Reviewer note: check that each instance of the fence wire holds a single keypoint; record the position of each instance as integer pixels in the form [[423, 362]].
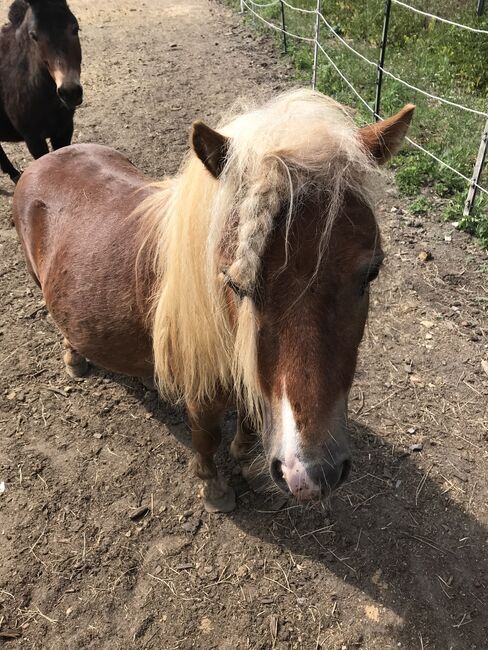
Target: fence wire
[[452, 23], [249, 4], [273, 26], [439, 19], [263, 5], [443, 100]]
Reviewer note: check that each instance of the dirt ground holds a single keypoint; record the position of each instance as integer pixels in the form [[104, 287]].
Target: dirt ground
[[401, 560]]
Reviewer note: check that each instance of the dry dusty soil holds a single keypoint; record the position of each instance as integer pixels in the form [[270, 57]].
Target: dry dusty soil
[[401, 559]]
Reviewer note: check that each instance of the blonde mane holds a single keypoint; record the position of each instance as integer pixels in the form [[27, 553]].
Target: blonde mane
[[298, 143]]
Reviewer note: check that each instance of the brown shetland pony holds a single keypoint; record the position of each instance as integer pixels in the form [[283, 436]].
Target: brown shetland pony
[[245, 277]]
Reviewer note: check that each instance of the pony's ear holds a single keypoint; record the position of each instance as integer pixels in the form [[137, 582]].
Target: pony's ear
[[210, 146], [385, 138]]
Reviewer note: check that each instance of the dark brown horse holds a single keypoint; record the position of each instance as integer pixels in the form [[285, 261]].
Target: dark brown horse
[[245, 277], [40, 63]]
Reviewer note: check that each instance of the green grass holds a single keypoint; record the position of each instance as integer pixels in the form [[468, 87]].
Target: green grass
[[438, 58]]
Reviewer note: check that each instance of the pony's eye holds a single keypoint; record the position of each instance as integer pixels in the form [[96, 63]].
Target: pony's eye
[[76, 30], [236, 288], [371, 275], [33, 35]]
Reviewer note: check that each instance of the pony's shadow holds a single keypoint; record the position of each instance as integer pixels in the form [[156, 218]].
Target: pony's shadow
[[7, 193], [397, 536], [167, 414], [394, 534]]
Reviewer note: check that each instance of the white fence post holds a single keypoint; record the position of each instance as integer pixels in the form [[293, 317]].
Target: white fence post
[[316, 47], [478, 168]]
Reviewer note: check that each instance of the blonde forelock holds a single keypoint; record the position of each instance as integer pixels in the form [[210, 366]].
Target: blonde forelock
[[298, 143]]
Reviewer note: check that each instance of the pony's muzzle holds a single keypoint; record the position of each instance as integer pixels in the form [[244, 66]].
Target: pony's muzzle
[[71, 94], [310, 481], [331, 475]]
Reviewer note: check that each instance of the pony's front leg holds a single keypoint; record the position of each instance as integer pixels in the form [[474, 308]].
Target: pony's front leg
[[37, 146], [206, 435], [244, 444], [63, 138], [7, 167]]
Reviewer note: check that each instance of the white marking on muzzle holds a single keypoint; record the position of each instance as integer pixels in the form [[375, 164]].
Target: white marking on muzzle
[[61, 77], [289, 429], [58, 76], [294, 471]]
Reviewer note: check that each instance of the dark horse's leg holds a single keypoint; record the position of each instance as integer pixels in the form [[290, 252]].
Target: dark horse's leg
[[205, 433], [37, 146], [7, 167], [62, 139]]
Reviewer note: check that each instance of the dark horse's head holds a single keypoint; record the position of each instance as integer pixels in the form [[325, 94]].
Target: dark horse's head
[[53, 31]]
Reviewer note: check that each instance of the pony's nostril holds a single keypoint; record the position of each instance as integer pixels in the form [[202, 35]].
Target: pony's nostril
[[71, 94], [345, 471], [329, 476], [277, 471]]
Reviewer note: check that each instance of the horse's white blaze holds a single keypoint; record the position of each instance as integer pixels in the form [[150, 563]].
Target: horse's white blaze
[[294, 471], [290, 444], [58, 76], [62, 76]]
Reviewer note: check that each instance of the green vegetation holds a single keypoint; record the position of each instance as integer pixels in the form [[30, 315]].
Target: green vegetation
[[420, 206], [441, 59]]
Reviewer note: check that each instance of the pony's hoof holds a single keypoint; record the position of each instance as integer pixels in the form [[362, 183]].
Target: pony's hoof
[[218, 497], [148, 382], [239, 452], [245, 460], [247, 472], [257, 482], [76, 370], [76, 365]]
